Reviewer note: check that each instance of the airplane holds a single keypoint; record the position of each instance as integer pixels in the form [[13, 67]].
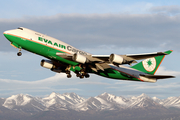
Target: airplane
[[64, 58]]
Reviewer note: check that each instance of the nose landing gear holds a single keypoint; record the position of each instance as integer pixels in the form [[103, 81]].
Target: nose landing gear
[[19, 53]]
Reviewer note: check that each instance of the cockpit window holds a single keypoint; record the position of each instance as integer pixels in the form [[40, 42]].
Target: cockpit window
[[20, 28]]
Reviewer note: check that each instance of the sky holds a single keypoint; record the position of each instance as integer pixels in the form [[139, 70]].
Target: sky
[[95, 26]]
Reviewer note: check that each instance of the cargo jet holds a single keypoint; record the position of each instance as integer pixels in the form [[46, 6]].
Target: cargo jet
[[64, 58]]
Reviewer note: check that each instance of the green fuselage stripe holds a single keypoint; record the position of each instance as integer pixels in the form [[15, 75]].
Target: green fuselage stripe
[[50, 53], [40, 49]]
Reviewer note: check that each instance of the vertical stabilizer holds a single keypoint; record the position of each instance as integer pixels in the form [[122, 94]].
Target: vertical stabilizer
[[150, 65]]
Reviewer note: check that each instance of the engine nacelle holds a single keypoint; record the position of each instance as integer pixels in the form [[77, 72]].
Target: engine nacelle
[[79, 58], [47, 64], [116, 59]]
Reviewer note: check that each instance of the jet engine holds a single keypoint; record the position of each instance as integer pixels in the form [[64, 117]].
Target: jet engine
[[116, 59], [49, 65], [79, 58]]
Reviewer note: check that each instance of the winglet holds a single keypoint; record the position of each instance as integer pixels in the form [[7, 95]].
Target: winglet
[[168, 52]]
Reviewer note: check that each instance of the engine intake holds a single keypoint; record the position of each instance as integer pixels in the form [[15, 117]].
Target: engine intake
[[116, 59], [47, 64], [79, 58]]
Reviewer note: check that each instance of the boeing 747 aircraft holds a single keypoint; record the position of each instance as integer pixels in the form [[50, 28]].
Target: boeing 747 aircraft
[[64, 58]]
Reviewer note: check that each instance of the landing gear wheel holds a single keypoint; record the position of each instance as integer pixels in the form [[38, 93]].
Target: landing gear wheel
[[19, 54], [82, 76], [87, 76], [78, 75], [69, 76]]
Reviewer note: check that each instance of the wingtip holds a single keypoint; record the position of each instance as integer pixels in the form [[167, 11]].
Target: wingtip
[[173, 76], [168, 52]]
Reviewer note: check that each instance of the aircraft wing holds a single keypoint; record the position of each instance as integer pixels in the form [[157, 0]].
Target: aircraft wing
[[101, 62], [145, 55], [70, 56], [131, 57], [113, 58], [98, 63]]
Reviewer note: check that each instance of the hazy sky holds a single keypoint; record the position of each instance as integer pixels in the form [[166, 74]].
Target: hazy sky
[[97, 27]]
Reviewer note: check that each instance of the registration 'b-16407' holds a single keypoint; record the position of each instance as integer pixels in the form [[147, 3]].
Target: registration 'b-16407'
[[64, 58]]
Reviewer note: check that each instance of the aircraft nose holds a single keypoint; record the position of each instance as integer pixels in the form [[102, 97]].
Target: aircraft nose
[[6, 34]]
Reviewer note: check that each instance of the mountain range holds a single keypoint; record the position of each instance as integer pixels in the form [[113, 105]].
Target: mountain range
[[72, 101], [101, 104]]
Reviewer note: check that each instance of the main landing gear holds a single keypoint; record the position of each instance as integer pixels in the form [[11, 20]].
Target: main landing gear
[[68, 72], [19, 53], [84, 74], [80, 74]]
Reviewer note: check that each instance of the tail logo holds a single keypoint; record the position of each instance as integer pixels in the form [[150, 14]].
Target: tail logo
[[149, 64]]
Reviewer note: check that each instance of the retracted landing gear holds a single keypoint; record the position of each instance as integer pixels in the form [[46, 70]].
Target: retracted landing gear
[[19, 53]]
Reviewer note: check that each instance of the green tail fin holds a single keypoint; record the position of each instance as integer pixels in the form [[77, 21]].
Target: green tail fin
[[150, 65]]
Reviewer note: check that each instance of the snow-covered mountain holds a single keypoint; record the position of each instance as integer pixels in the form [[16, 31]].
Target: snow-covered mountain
[[104, 101], [25, 103], [169, 102], [71, 101], [64, 101], [142, 101]]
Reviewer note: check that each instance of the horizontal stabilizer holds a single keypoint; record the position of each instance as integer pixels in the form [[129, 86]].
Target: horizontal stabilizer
[[158, 76]]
